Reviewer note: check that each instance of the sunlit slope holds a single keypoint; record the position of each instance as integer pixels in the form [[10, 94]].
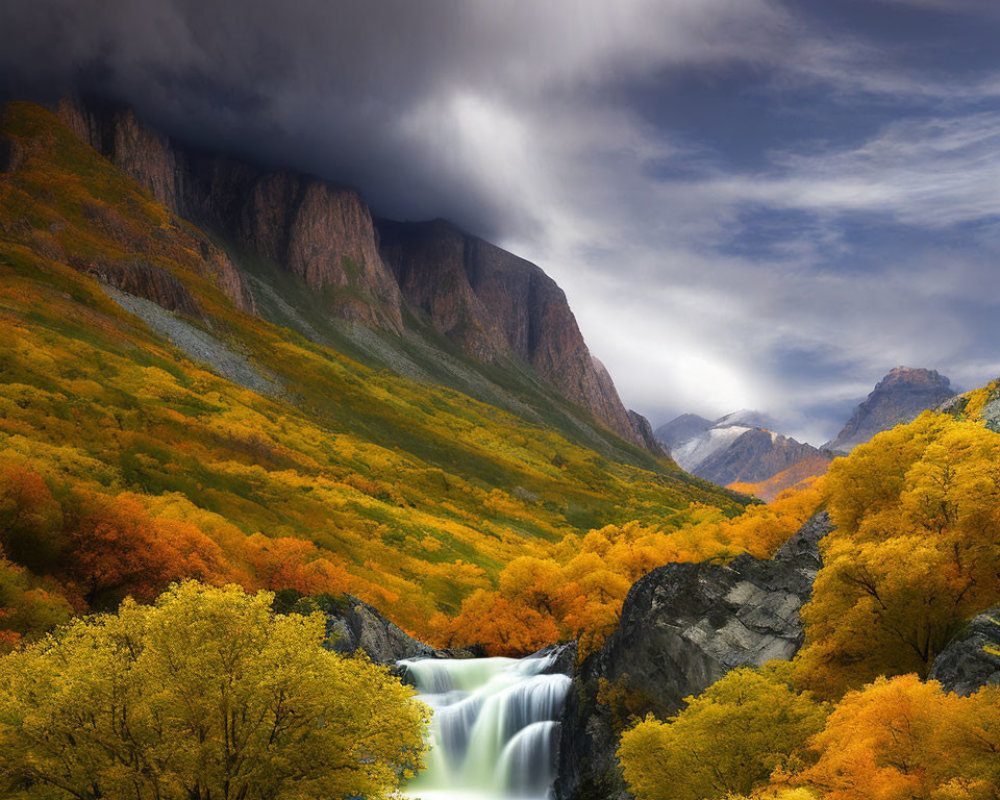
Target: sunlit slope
[[416, 494]]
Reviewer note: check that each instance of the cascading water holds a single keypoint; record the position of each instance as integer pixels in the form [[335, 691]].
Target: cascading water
[[494, 728]]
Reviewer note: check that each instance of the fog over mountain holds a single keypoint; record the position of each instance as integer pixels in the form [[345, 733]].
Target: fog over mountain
[[749, 203]]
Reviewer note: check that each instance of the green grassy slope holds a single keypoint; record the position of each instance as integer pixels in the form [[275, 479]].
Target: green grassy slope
[[418, 493]]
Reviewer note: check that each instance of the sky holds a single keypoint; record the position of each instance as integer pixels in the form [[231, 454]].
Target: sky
[[757, 204]]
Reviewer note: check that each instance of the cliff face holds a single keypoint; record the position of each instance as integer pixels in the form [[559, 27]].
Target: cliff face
[[493, 305], [898, 398], [682, 627], [970, 660], [642, 427], [320, 233], [148, 158]]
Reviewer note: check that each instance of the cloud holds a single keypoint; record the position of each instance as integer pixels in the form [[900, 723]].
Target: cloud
[[800, 327]]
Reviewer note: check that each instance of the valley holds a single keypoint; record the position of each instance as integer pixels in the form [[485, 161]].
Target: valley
[[379, 454]]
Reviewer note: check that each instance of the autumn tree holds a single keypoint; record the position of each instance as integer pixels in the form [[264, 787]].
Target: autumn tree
[[30, 518], [116, 547], [504, 627], [726, 741], [915, 553], [27, 607], [207, 694], [903, 739]]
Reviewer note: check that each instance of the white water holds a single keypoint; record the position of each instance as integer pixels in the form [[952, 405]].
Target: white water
[[494, 729]]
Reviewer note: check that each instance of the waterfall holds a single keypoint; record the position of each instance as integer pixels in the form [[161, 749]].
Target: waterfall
[[494, 730]]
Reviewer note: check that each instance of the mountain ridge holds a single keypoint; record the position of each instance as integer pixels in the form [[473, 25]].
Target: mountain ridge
[[324, 235], [739, 450]]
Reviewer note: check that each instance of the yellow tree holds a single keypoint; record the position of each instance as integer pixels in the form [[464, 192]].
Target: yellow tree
[[726, 741], [207, 694], [915, 553], [902, 739]]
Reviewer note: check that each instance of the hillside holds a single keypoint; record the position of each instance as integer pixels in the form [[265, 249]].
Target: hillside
[[425, 299], [146, 394]]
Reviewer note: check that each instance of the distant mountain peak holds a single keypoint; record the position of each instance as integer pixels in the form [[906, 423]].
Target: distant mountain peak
[[747, 418], [899, 397], [739, 447]]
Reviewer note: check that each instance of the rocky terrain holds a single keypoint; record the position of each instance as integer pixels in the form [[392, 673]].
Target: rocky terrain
[[355, 625], [899, 397], [496, 307], [494, 304], [682, 627], [972, 658]]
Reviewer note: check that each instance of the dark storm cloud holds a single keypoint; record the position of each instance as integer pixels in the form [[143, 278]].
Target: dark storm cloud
[[391, 95], [750, 203]]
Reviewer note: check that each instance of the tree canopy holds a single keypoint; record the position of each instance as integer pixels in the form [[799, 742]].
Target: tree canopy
[[206, 694], [727, 740]]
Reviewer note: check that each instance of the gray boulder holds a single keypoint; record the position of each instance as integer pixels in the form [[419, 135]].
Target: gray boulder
[[683, 626], [357, 625], [966, 665], [563, 658]]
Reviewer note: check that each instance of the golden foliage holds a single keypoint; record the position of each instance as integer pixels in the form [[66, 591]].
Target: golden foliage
[[206, 694], [726, 741], [915, 552]]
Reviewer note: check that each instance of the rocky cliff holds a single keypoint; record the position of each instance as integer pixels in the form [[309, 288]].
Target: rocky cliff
[[492, 304], [355, 625], [321, 233], [495, 305], [682, 627], [898, 398], [645, 431]]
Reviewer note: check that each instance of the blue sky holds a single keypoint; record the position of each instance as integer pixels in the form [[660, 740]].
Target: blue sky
[[750, 203]]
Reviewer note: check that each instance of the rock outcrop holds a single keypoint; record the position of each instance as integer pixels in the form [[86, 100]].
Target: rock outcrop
[[563, 658], [359, 626], [142, 279], [971, 659], [898, 398], [495, 305], [150, 159], [321, 233], [644, 431], [989, 413], [682, 627]]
